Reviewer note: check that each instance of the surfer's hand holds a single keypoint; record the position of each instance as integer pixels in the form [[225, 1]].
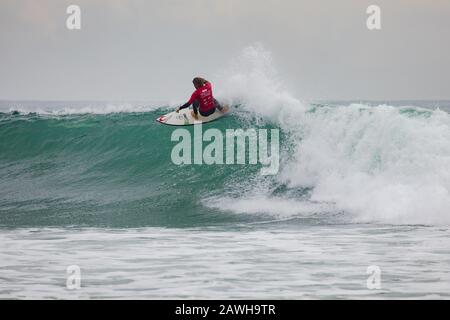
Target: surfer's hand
[[178, 110]]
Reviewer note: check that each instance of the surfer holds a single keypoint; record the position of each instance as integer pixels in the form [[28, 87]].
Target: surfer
[[202, 99]]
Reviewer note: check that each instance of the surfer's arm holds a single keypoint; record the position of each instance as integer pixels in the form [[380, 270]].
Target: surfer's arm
[[187, 104]]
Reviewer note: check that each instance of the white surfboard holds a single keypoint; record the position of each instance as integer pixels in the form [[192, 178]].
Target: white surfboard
[[184, 117]]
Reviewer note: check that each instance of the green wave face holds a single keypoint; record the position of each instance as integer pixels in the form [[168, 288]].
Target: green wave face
[[343, 163], [106, 170]]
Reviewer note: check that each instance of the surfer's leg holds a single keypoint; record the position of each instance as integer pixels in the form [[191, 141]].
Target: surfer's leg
[[218, 105], [221, 108], [207, 113], [195, 106]]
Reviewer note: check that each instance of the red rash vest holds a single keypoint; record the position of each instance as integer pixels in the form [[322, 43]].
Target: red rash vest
[[204, 96]]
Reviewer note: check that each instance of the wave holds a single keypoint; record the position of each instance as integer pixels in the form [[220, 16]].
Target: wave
[[109, 164], [102, 170]]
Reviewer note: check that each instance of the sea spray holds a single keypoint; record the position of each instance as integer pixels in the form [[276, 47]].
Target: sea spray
[[376, 163]]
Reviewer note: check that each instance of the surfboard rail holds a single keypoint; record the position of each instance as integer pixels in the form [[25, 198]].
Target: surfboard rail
[[185, 118]]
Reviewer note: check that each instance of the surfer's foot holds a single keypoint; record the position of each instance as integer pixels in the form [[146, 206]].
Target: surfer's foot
[[194, 115]]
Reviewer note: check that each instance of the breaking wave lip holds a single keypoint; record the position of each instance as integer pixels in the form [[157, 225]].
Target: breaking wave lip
[[383, 164], [79, 107]]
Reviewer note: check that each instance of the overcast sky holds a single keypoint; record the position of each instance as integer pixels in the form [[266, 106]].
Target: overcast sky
[[150, 50]]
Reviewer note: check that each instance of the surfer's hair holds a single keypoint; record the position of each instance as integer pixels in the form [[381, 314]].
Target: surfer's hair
[[198, 82]]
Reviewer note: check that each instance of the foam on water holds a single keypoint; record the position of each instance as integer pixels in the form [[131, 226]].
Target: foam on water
[[163, 263], [60, 108], [379, 163], [282, 207]]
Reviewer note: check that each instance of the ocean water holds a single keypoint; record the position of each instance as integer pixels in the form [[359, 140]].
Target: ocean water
[[362, 186]]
